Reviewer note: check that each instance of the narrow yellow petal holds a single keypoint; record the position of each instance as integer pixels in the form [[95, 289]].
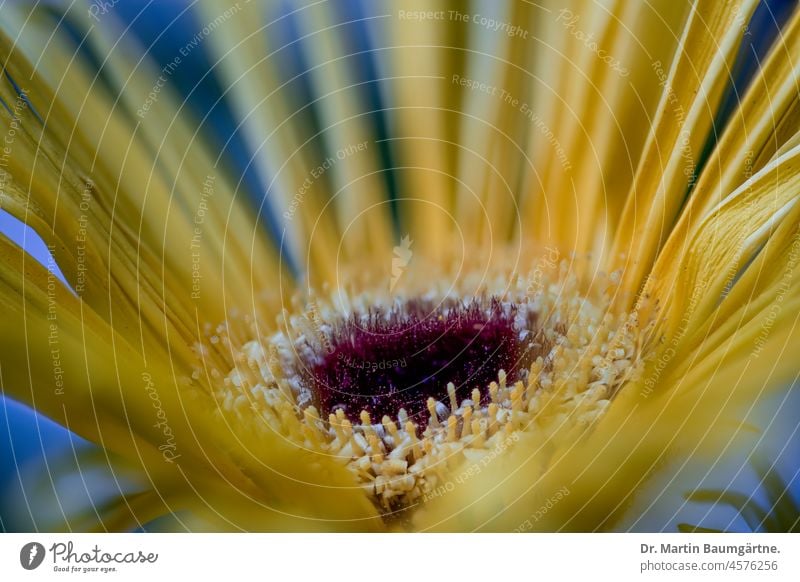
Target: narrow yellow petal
[[277, 130], [418, 58], [693, 88], [71, 367], [358, 190]]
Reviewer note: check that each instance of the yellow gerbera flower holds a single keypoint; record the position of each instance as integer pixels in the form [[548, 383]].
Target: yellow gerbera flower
[[544, 280]]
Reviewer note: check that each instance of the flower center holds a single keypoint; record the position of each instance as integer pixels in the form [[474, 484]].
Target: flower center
[[403, 396], [386, 360]]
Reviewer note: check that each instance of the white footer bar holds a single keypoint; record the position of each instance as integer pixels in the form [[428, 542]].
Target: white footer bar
[[384, 558]]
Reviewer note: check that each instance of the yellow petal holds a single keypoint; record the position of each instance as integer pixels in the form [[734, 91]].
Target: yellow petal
[[279, 134], [64, 361], [691, 285], [693, 88]]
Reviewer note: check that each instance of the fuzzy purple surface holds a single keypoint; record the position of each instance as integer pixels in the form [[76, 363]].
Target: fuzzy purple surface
[[395, 359]]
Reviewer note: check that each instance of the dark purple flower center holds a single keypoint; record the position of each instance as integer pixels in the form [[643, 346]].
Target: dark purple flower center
[[386, 360]]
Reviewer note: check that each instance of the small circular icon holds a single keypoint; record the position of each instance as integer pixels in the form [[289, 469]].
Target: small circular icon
[[31, 555]]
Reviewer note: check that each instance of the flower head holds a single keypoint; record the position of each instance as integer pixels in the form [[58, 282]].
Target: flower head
[[596, 276]]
